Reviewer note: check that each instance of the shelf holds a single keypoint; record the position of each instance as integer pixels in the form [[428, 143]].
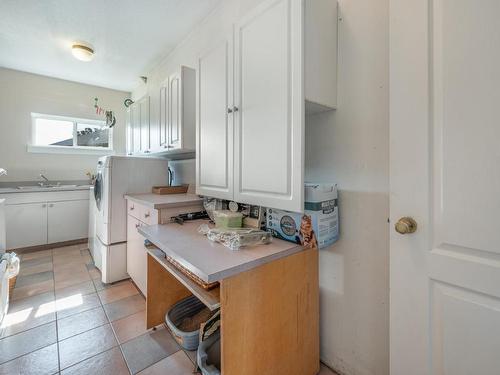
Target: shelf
[[211, 298]]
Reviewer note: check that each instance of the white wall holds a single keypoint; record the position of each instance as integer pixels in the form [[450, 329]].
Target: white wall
[[348, 146], [351, 146], [23, 93]]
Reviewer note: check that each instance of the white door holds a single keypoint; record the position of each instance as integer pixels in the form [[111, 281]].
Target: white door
[[175, 115], [136, 254], [445, 173], [269, 96], [68, 220], [214, 128], [26, 225]]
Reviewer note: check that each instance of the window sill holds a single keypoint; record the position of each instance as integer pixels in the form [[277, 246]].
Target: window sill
[[69, 150]]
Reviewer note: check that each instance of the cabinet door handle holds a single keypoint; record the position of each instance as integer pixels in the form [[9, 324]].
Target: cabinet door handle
[[44, 205], [146, 215], [137, 225], [235, 109], [51, 205], [229, 110], [132, 208]]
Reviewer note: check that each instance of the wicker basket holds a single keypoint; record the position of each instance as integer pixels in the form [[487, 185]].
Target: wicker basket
[[12, 284]]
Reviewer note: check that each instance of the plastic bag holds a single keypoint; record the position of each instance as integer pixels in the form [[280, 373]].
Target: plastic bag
[[12, 264], [238, 238]]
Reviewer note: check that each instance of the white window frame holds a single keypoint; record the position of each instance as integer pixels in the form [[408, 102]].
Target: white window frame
[[75, 149]]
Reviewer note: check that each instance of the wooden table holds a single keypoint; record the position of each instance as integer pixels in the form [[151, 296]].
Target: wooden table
[[268, 296]]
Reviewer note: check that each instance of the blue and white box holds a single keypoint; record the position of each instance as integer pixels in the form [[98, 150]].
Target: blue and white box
[[317, 226]]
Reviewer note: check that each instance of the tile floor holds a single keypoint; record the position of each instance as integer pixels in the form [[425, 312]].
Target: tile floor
[[63, 320]]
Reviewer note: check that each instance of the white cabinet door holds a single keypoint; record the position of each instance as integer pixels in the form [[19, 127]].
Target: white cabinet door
[[164, 115], [269, 96], [154, 120], [136, 254], [135, 124], [144, 124], [175, 112], [68, 220], [214, 129], [26, 225]]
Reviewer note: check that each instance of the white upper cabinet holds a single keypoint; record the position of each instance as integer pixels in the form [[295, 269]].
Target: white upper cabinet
[[269, 131], [144, 124], [320, 55], [166, 117], [214, 131]]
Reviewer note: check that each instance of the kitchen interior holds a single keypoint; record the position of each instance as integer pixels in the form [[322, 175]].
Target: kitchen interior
[[182, 186]]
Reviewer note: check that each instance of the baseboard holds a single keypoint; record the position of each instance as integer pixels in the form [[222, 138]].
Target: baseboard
[[31, 249]]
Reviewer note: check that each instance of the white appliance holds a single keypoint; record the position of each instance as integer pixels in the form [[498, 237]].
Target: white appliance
[[117, 176], [4, 281], [92, 223]]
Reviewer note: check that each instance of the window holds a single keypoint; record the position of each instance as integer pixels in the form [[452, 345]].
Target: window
[[70, 135]]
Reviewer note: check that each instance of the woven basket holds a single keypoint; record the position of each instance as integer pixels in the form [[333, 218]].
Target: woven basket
[[12, 284]]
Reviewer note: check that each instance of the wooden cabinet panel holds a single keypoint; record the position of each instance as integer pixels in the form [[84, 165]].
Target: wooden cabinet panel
[[67, 220], [214, 133], [26, 225]]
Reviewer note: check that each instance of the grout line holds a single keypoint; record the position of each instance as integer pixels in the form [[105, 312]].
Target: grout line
[[86, 359], [55, 312]]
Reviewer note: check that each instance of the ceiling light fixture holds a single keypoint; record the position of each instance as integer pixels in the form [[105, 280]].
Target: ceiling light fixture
[[82, 51]]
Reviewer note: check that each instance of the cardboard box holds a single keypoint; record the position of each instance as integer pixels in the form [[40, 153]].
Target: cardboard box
[[318, 225]]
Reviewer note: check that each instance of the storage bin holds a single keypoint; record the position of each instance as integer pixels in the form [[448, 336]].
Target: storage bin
[[184, 319], [208, 355]]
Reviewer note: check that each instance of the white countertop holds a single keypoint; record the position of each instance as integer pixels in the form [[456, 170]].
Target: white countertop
[[209, 260], [157, 201], [39, 189]]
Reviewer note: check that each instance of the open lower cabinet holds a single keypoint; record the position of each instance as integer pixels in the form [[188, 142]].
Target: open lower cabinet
[[269, 318]]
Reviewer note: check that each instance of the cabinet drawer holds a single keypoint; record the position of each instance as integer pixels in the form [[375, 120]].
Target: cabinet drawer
[[145, 214]]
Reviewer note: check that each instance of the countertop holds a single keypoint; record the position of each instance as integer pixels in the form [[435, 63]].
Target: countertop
[[39, 189], [157, 201], [209, 260]]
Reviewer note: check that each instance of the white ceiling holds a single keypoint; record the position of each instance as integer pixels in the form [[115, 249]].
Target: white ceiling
[[128, 36]]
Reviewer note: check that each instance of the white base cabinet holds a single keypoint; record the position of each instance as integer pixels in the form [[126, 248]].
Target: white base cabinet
[[136, 254], [67, 221], [26, 225], [34, 219]]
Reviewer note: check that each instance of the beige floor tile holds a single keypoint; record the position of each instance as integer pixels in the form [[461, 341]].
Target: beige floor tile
[[28, 313], [87, 287], [86, 345], [110, 362], [147, 349], [326, 371], [125, 307], [32, 290], [24, 271], [81, 322], [69, 280], [33, 279], [95, 273], [74, 304], [130, 326], [66, 269], [36, 261], [177, 363], [65, 250], [41, 362], [36, 255], [26, 342], [72, 259], [117, 292]]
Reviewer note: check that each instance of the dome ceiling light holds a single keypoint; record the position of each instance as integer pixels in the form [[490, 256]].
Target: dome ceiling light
[[82, 51]]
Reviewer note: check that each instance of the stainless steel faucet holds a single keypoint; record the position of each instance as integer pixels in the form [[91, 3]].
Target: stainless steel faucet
[[45, 178]]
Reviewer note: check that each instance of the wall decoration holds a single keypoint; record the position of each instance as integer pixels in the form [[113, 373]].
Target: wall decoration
[[110, 117]]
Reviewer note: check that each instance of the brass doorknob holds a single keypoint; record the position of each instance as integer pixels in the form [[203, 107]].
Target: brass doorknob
[[406, 225]]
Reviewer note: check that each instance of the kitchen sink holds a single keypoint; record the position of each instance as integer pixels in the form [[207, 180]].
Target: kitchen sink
[[48, 186]]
